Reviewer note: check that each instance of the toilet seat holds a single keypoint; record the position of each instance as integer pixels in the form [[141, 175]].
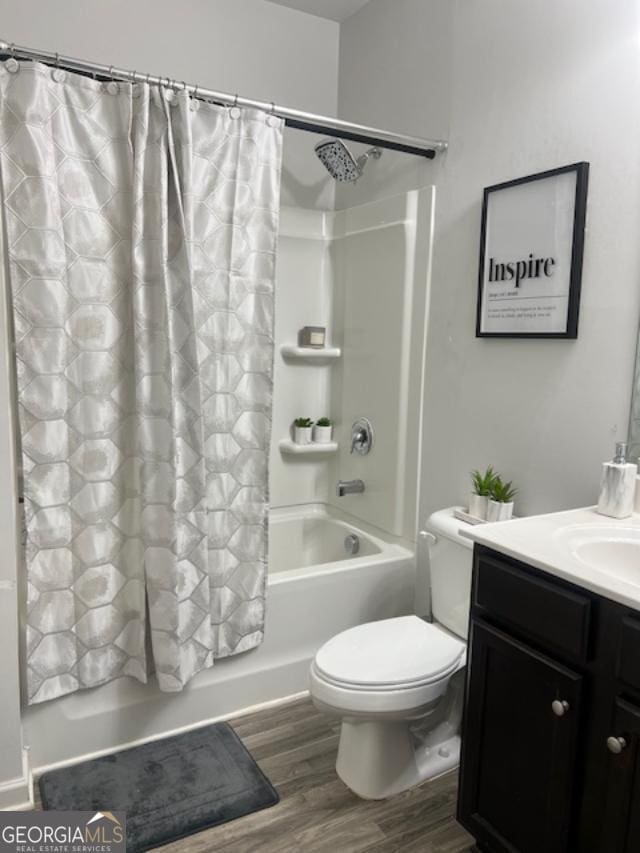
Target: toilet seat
[[394, 666], [390, 654]]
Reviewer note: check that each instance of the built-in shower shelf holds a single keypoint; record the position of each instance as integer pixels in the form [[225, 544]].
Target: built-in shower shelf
[[309, 353], [314, 449]]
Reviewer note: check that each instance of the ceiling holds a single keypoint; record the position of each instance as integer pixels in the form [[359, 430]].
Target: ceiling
[[334, 10]]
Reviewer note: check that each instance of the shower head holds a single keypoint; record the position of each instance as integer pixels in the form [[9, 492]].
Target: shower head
[[340, 162]]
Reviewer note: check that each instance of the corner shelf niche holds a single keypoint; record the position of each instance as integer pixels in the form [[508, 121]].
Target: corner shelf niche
[[290, 447], [319, 354]]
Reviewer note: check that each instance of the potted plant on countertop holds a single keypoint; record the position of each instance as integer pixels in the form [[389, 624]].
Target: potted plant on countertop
[[479, 498], [500, 506], [322, 431], [302, 430]]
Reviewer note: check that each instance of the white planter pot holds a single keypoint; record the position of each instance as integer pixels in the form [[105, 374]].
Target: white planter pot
[[478, 505], [302, 435], [322, 434], [497, 511]]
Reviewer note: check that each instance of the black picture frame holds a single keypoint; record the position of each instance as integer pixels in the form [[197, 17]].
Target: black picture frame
[[577, 252]]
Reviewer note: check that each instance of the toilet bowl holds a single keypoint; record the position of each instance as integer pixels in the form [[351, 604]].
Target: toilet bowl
[[397, 684]]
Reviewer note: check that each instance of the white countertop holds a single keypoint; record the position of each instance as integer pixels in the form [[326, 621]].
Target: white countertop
[[540, 541]]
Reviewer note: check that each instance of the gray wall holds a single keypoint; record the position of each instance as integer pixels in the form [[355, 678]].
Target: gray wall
[[395, 73], [532, 86]]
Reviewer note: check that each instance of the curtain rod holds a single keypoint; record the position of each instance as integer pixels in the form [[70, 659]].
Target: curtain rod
[[293, 118]]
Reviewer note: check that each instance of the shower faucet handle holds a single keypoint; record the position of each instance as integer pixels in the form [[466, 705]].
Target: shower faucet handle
[[361, 436], [358, 439]]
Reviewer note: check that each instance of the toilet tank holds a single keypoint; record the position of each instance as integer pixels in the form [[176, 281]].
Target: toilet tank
[[450, 563]]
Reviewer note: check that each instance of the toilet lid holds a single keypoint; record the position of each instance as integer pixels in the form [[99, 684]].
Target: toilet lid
[[403, 651]]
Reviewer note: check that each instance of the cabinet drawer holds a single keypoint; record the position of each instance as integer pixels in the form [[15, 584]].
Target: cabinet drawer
[[556, 617], [629, 652]]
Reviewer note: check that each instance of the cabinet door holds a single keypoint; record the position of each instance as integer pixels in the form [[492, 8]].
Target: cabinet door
[[519, 746], [621, 824]]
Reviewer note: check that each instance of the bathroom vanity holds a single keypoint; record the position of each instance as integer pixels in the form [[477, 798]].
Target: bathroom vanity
[[550, 755]]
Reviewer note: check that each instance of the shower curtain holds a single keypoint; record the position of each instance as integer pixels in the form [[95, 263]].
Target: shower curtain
[[141, 230]]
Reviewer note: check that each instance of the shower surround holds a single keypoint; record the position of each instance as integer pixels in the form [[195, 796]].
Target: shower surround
[[141, 230]]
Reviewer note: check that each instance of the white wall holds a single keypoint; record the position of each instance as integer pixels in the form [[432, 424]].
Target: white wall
[[255, 48], [533, 85]]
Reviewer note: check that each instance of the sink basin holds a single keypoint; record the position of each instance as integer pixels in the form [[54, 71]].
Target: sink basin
[[610, 548]]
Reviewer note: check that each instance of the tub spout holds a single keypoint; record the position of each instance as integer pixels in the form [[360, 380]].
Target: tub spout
[[349, 487]]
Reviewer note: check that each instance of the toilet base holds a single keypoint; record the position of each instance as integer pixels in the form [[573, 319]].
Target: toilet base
[[377, 760]]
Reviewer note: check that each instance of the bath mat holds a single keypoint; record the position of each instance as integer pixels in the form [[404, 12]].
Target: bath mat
[[169, 788]]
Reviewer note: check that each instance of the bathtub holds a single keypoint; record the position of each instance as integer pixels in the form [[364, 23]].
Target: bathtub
[[315, 588], [308, 543]]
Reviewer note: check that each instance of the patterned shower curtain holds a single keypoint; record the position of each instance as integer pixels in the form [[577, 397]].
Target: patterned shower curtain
[[141, 230]]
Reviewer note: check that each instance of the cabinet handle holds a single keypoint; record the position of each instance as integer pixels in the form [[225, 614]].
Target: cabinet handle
[[559, 707], [616, 744]]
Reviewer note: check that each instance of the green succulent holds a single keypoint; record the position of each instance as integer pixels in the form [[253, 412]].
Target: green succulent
[[483, 483], [303, 422], [502, 492], [323, 422]]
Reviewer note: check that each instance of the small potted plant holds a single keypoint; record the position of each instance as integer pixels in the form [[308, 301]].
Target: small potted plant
[[479, 497], [302, 430], [501, 501], [322, 431]]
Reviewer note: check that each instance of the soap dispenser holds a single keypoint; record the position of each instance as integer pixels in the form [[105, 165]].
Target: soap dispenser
[[618, 485]]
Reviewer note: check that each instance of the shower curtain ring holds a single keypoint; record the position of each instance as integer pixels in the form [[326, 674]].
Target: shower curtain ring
[[12, 65]]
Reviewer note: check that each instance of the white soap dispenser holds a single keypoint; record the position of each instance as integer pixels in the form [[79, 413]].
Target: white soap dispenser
[[618, 485]]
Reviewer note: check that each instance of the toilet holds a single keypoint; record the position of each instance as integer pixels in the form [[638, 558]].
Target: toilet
[[398, 683]]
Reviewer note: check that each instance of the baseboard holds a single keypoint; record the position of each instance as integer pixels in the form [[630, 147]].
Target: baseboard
[[17, 794], [243, 712]]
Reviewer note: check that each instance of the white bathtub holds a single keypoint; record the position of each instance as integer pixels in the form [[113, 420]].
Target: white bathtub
[[315, 589], [305, 543]]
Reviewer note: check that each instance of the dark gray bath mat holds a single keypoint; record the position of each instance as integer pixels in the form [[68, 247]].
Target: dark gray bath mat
[[169, 788]]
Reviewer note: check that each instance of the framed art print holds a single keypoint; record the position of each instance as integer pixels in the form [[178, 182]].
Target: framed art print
[[531, 249]]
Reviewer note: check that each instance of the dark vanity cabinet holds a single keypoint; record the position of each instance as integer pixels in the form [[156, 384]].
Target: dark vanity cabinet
[[550, 749]]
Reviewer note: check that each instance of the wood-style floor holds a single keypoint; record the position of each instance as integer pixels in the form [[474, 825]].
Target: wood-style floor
[[296, 748]]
